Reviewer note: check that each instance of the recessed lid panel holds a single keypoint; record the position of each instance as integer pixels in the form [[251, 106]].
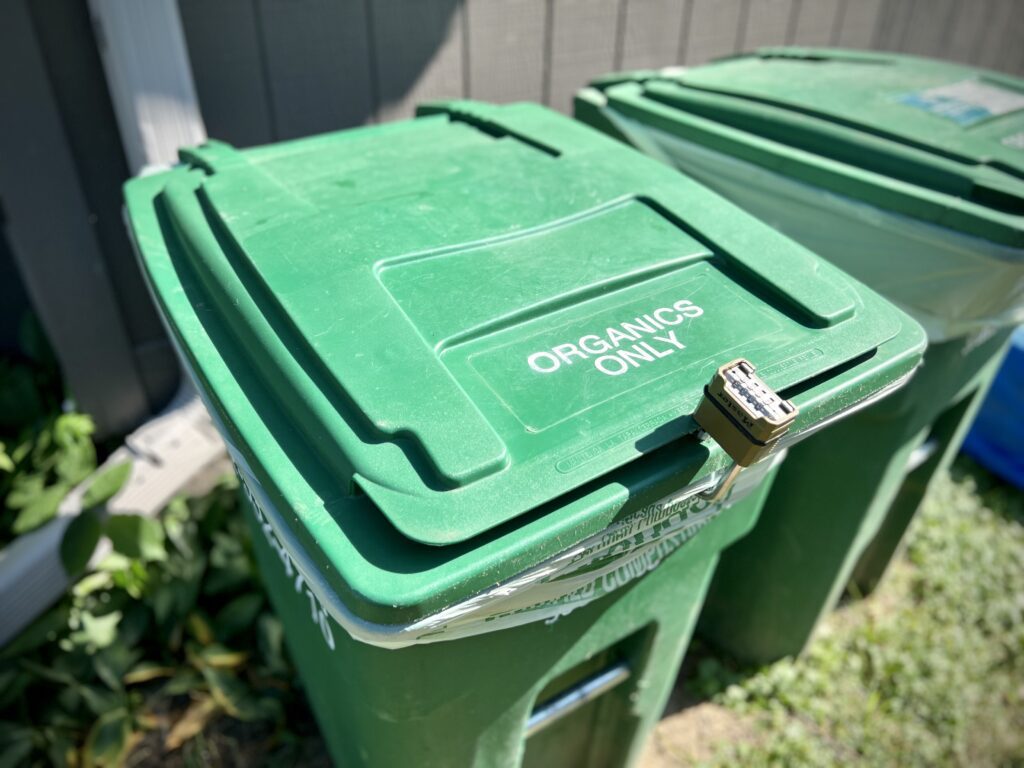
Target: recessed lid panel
[[470, 314]]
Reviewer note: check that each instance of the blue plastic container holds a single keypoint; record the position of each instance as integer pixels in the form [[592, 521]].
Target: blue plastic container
[[997, 437]]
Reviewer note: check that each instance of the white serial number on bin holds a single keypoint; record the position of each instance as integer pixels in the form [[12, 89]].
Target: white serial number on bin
[[317, 613]]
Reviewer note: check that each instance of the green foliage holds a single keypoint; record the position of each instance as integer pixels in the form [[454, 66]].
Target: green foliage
[[105, 484], [928, 672], [173, 614], [137, 538], [42, 456], [30, 383], [108, 738], [79, 542], [6, 462], [48, 460]]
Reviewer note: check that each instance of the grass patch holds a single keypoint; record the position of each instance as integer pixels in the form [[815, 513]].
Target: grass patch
[[929, 671]]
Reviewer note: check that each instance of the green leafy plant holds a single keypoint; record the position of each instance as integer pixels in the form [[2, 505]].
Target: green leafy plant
[[30, 384], [84, 531], [6, 462], [170, 633], [41, 469], [42, 455]]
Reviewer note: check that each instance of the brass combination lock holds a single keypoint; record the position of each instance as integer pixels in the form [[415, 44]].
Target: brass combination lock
[[743, 414]]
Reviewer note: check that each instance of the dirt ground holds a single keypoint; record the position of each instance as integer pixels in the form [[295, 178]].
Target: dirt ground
[[692, 734]]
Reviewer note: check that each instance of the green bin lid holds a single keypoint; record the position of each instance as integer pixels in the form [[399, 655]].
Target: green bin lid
[[470, 314], [937, 141]]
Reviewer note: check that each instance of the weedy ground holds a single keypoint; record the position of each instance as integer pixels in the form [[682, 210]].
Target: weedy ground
[[927, 671]]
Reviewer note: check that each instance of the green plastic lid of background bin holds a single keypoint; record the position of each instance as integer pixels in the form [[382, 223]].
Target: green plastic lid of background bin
[[472, 313], [936, 141]]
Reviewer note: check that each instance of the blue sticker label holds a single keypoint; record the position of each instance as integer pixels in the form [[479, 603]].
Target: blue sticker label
[[965, 103]]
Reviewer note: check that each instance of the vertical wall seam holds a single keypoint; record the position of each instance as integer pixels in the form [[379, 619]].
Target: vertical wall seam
[[620, 35], [372, 69], [549, 41], [1013, 25], [794, 12], [261, 49], [684, 31], [740, 43], [837, 22], [947, 32], [907, 24], [463, 9], [1019, 66], [979, 42], [880, 24], [886, 12]]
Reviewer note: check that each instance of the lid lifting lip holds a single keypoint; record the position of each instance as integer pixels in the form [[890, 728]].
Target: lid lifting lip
[[847, 141], [951, 157], [985, 204]]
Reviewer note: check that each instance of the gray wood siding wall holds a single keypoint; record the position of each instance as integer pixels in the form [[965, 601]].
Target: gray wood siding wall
[[61, 170], [274, 69]]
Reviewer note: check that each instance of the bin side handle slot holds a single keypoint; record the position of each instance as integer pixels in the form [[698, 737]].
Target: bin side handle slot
[[567, 702]]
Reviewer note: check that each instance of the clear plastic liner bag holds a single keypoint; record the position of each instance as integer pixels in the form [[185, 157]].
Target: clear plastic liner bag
[[955, 285], [597, 566]]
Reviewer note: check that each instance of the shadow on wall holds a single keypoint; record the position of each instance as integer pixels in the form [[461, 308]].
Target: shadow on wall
[[60, 183], [267, 70], [13, 301]]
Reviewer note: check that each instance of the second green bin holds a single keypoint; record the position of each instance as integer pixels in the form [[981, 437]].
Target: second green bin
[[909, 175]]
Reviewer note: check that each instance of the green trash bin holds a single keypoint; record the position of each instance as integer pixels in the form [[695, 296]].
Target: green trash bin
[[455, 360], [908, 174]]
